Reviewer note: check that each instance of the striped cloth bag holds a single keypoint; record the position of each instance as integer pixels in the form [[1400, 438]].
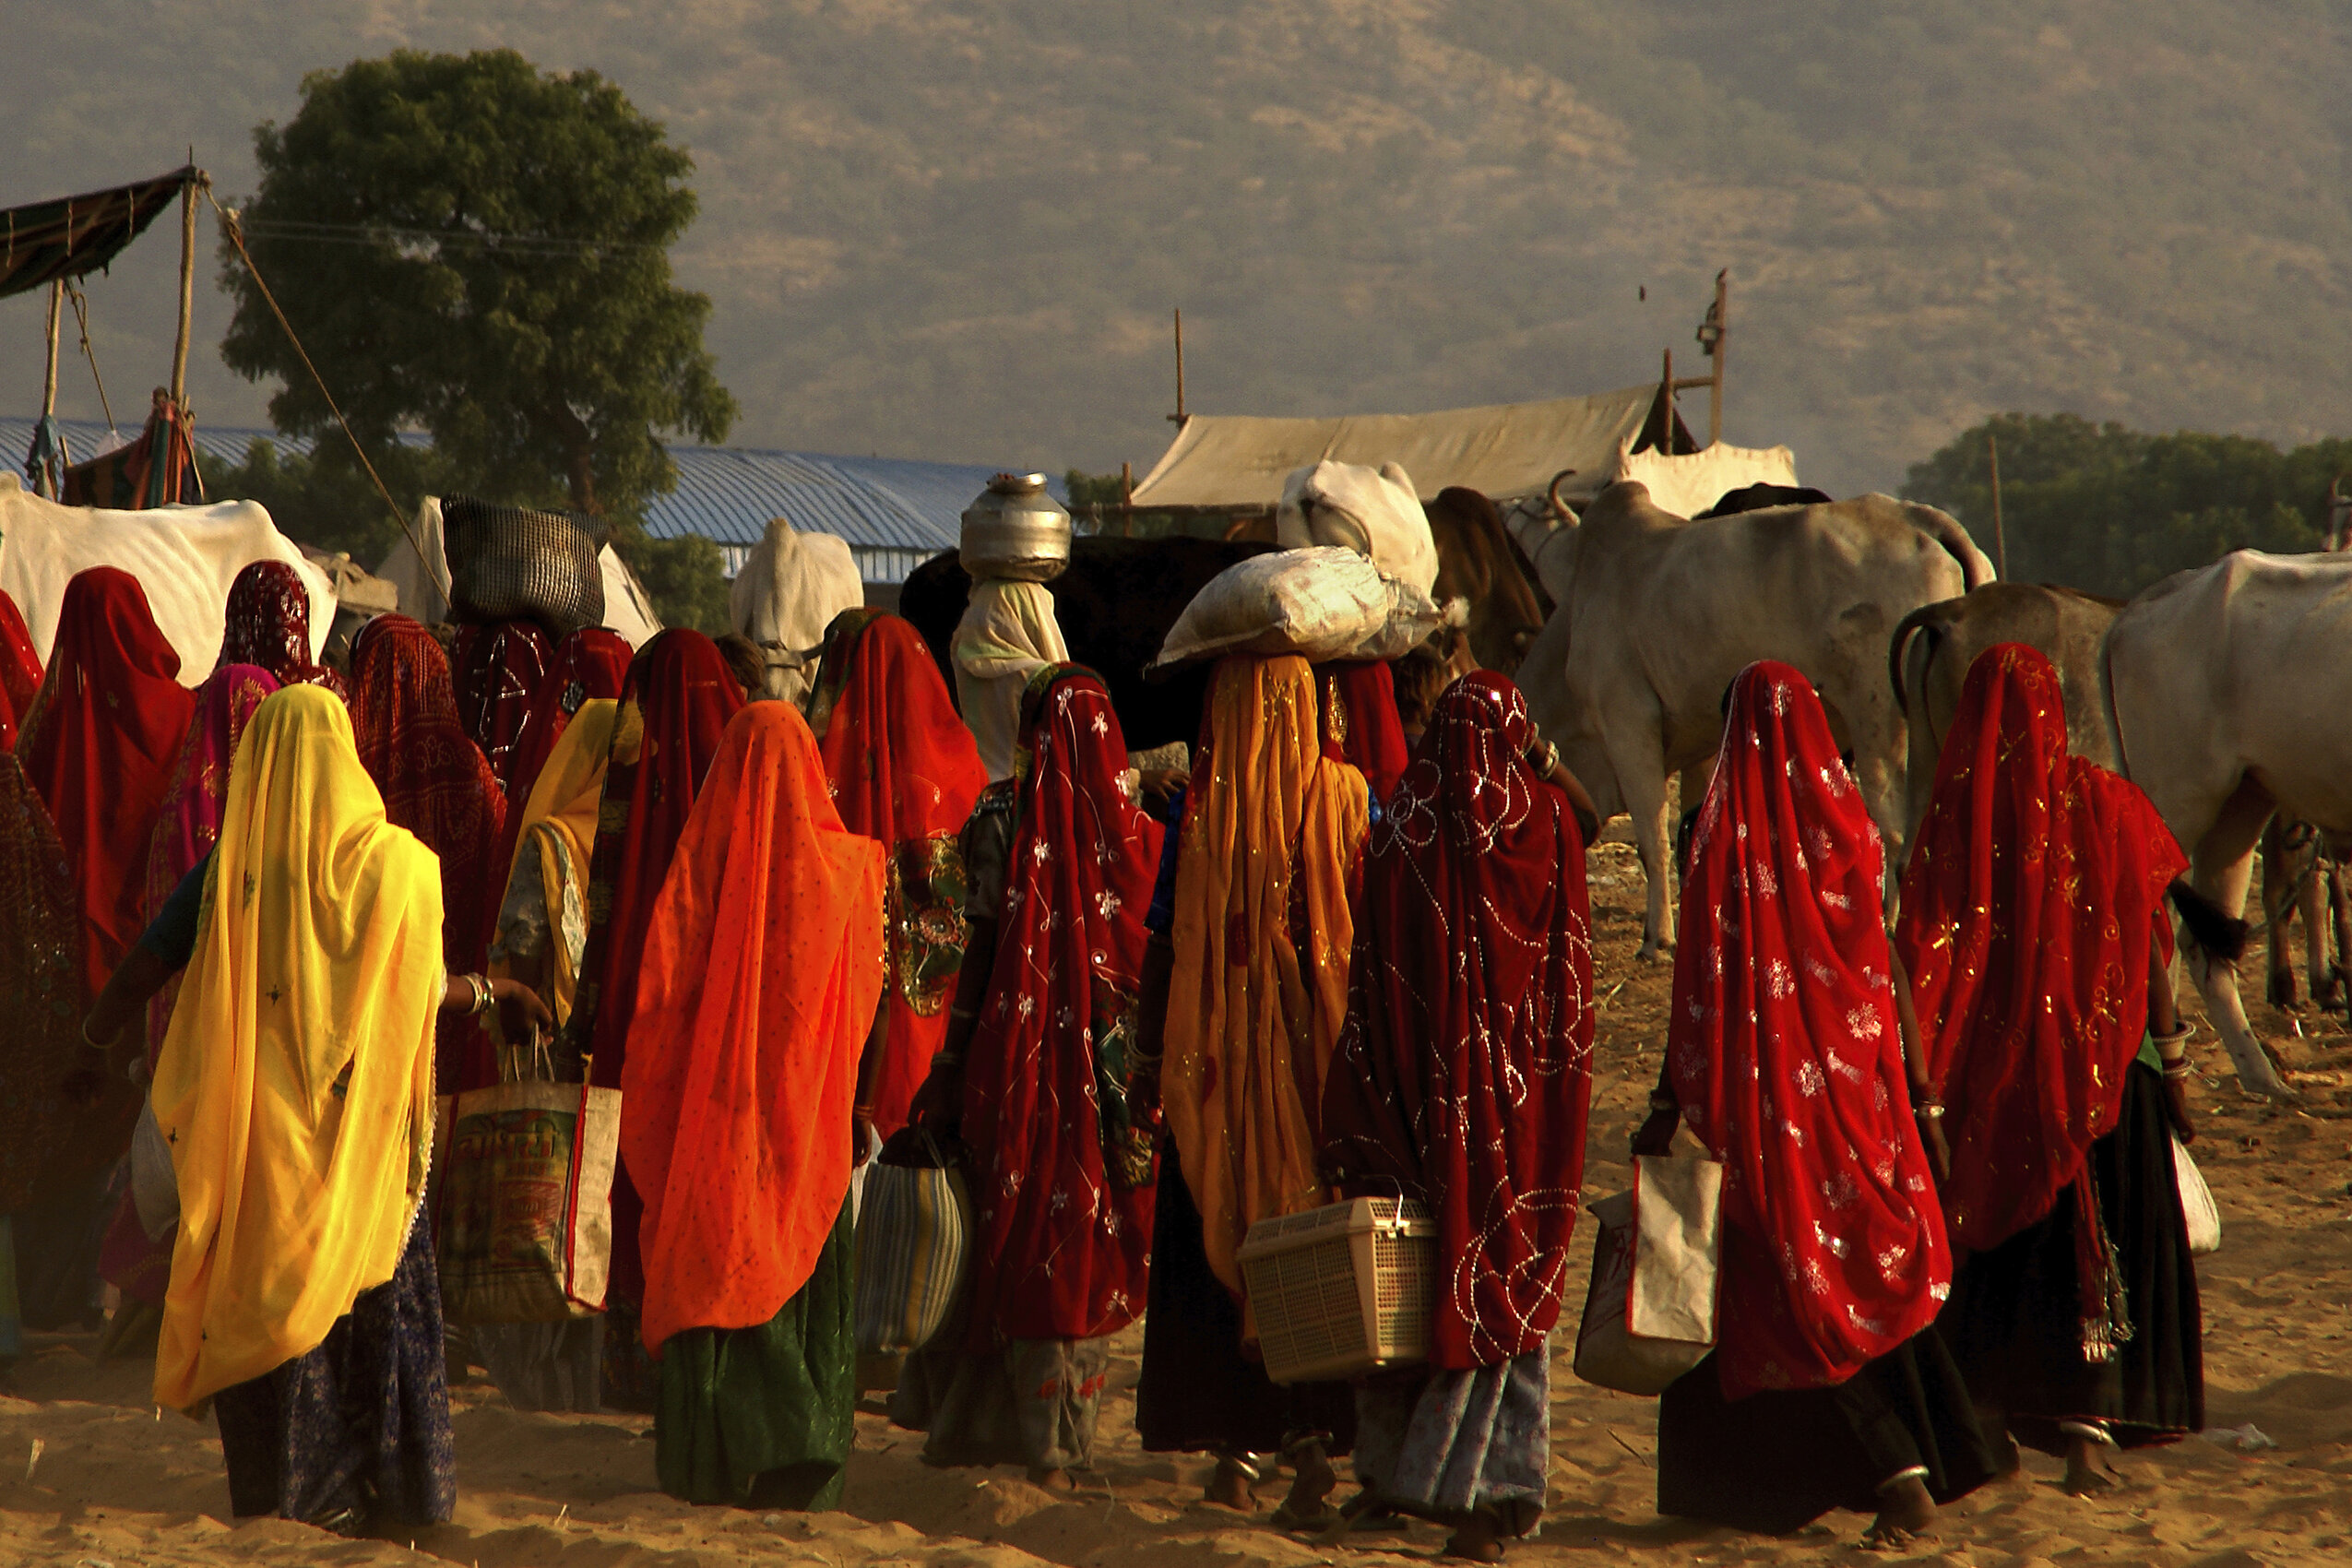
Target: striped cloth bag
[[914, 1233]]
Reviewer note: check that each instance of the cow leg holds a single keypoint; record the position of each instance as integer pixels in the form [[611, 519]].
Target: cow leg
[[2310, 898], [2339, 900], [2278, 872], [2222, 868], [1644, 779]]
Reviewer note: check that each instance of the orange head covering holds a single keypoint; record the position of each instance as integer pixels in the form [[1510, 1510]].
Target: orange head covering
[[1274, 833], [763, 965], [904, 770]]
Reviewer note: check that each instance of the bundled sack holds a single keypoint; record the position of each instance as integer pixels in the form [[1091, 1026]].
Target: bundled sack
[[1649, 1315], [515, 562], [1322, 603], [523, 1216], [914, 1239], [1373, 512]]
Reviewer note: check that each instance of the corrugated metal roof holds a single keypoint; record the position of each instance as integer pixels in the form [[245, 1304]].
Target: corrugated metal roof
[[885, 507]]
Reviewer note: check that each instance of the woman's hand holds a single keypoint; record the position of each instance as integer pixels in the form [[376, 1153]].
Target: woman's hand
[[1655, 1136], [521, 1012], [1939, 1152], [2175, 1107]]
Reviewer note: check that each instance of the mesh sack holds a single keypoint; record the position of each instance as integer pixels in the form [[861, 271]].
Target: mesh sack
[[515, 562]]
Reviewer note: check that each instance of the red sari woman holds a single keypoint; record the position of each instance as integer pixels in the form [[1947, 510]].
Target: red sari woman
[[435, 784], [588, 666], [100, 746], [1037, 1074], [19, 671], [674, 707], [498, 671], [1791, 1055], [2034, 930], [904, 769], [1462, 1081], [267, 625]]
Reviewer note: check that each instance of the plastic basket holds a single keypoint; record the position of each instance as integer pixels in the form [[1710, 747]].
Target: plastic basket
[[1342, 1290]]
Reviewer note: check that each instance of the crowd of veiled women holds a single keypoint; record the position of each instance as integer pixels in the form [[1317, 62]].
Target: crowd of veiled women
[[1342, 948]]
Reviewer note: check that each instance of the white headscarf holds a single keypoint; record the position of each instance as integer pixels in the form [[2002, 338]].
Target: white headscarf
[[1007, 633]]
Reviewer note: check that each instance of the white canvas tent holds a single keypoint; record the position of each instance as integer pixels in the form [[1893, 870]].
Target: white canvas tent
[[1506, 450]]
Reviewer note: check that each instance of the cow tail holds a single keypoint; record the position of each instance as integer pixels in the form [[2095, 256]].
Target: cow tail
[[1927, 618], [2220, 936], [1975, 571]]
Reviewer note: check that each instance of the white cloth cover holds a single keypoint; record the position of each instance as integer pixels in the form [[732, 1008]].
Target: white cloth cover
[[423, 581], [1322, 602], [1689, 483], [792, 587], [2197, 1208], [184, 557], [1008, 633], [1371, 511]]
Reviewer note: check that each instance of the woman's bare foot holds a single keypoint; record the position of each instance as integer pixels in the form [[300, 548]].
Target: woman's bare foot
[[1312, 1480], [1477, 1539], [1235, 1484], [1053, 1480], [2090, 1465], [1904, 1510]]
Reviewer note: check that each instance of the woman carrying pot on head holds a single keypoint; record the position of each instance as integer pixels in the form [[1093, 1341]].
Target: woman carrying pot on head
[[1792, 1057]]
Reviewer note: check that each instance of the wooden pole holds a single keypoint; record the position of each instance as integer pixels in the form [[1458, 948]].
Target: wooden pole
[[1665, 405], [1722, 331], [2000, 535], [1126, 501], [187, 288], [1177, 419], [49, 382]]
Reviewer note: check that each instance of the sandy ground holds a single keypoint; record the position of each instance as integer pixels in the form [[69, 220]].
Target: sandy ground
[[117, 1483]]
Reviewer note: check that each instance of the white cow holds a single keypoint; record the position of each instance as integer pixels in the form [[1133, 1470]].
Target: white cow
[[1929, 658], [186, 557], [1656, 613], [2230, 685], [792, 587]]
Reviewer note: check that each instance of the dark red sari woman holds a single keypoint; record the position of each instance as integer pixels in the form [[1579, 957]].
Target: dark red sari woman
[[1036, 1072], [674, 708], [100, 747], [498, 671], [1791, 1054], [435, 784], [268, 625], [904, 770], [19, 671], [1462, 1081], [2035, 932], [591, 663]]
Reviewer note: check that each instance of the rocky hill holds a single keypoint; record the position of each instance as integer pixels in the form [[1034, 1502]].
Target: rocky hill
[[954, 228]]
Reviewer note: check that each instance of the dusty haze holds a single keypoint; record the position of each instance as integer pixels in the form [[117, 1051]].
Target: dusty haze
[[954, 230]]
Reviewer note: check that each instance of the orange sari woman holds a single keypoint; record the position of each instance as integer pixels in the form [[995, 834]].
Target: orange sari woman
[[1272, 840], [761, 974]]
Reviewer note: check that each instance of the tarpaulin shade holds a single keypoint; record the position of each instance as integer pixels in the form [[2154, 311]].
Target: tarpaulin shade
[[43, 240], [1504, 450]]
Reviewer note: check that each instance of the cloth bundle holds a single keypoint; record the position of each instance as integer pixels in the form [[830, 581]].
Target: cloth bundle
[[1322, 603], [1371, 511]]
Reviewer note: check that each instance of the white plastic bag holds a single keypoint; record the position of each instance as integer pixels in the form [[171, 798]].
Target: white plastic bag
[[2197, 1206], [1650, 1312], [1322, 603]]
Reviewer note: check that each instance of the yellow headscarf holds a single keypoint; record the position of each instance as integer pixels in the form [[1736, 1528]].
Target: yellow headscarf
[[561, 818], [295, 1085], [1252, 1021]]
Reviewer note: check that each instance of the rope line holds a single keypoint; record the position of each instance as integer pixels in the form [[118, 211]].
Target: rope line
[[229, 227]]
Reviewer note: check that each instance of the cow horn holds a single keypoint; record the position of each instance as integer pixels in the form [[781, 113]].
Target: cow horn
[[1559, 507]]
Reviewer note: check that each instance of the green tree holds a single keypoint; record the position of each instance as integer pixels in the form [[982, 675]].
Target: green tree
[[2110, 510], [472, 247]]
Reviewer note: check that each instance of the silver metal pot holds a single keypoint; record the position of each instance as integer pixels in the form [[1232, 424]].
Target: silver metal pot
[[1015, 529]]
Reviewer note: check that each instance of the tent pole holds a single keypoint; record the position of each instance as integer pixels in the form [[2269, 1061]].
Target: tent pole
[[1665, 406], [49, 382], [1722, 331], [187, 287], [2000, 535], [1126, 501], [1177, 419]]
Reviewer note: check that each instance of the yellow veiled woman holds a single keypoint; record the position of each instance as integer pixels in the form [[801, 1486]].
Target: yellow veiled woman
[[294, 1091], [1272, 838], [543, 931]]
